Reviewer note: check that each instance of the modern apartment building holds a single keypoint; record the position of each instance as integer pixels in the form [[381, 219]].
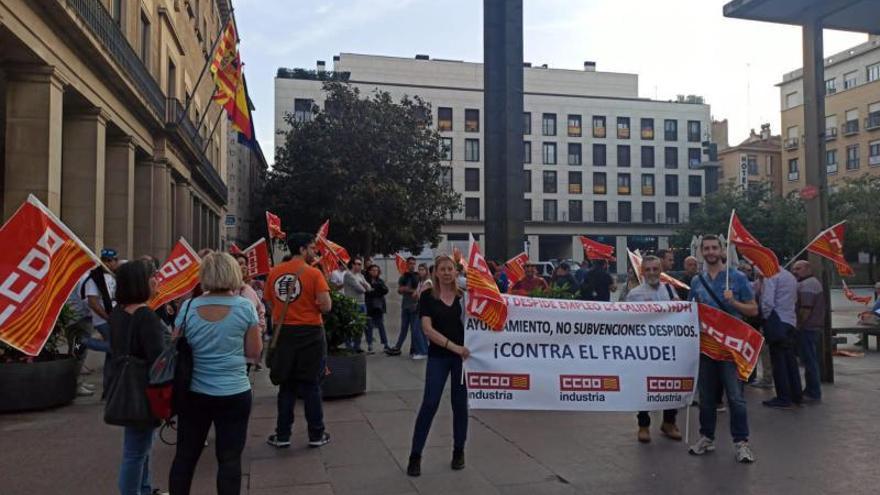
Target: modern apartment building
[[599, 160], [753, 161], [852, 117], [92, 119]]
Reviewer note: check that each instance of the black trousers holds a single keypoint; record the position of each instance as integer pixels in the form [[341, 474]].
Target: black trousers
[[668, 417]]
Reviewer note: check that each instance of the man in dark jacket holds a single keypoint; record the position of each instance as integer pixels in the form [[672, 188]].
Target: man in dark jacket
[[563, 279]]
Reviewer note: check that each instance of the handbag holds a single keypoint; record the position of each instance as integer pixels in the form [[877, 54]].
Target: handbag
[[127, 403], [171, 375]]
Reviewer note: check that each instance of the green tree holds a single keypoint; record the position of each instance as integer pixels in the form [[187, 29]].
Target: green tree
[[369, 164], [778, 222], [858, 202]]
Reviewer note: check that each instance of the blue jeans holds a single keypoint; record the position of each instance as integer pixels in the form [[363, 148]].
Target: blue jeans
[[311, 394], [809, 346], [377, 321], [712, 374], [134, 471], [436, 371], [410, 318]]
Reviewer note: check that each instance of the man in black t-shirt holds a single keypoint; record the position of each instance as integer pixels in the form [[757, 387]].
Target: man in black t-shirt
[[599, 284]]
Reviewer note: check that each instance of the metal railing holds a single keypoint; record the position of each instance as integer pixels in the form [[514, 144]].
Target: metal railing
[[872, 121], [791, 143], [180, 125], [850, 127], [831, 133]]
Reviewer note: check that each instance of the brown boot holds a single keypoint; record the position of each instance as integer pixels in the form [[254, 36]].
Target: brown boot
[[671, 431], [644, 434]]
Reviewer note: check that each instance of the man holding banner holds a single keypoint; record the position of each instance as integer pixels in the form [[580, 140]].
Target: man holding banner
[[729, 291]]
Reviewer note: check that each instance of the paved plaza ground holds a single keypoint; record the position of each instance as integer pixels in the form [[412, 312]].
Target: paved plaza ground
[[821, 449]]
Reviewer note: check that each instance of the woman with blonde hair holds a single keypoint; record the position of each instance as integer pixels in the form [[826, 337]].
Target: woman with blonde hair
[[440, 310], [223, 330]]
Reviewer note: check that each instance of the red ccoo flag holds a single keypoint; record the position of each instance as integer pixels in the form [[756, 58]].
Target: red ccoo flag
[[829, 244], [258, 258], [852, 295], [484, 299], [40, 265], [762, 257], [273, 222], [516, 268], [331, 254], [177, 276], [400, 261], [725, 338], [234, 249], [594, 250], [324, 230]]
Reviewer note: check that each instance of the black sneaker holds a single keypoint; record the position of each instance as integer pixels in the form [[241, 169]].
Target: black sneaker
[[457, 460], [274, 441], [414, 468], [324, 440]]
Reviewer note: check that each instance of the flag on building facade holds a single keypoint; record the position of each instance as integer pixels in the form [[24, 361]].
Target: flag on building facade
[[726, 338], [273, 222], [231, 88], [258, 260], [763, 258], [177, 276], [594, 250], [849, 294], [516, 268], [829, 244], [400, 262], [484, 299], [40, 265]]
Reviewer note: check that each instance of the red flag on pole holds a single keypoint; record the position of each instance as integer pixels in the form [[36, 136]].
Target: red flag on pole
[[331, 254], [324, 230], [234, 249], [762, 257], [177, 276], [40, 265], [258, 258], [400, 261], [274, 224], [516, 268], [829, 244], [725, 338], [484, 299], [849, 294], [594, 250]]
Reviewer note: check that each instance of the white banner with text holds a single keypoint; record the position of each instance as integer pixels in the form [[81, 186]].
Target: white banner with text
[[584, 356]]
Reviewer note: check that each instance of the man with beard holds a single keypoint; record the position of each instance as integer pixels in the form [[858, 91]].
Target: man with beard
[[729, 291], [652, 289]]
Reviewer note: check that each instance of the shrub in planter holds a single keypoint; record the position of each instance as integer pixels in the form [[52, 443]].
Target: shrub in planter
[[348, 369]]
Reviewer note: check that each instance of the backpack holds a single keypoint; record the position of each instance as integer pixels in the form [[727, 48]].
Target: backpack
[[171, 376]]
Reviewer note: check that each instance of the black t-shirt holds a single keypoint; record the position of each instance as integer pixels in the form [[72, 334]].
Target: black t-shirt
[[444, 319], [597, 286], [143, 329]]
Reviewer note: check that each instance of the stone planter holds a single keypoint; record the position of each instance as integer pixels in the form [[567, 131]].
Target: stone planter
[[348, 376], [37, 385]]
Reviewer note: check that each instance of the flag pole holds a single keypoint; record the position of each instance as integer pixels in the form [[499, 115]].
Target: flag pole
[[727, 250], [213, 129], [820, 234], [202, 74]]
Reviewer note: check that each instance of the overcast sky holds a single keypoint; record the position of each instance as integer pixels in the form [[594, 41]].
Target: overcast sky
[[675, 46]]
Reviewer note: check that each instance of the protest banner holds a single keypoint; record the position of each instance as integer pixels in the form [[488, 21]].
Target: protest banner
[[584, 356]]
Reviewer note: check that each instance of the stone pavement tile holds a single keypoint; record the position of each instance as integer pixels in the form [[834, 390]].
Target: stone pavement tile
[[380, 401], [395, 428], [554, 487], [283, 472], [319, 489], [464, 482], [342, 410], [354, 443], [508, 467], [369, 479]]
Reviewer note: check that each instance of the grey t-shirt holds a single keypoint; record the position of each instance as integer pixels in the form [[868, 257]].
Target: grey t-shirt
[[354, 286], [409, 279], [811, 301]]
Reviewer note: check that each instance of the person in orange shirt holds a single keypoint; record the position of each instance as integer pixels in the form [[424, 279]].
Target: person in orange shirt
[[298, 295]]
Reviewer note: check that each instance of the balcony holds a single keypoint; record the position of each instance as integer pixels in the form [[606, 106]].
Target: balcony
[[648, 134], [184, 132], [574, 131], [874, 160], [831, 133], [623, 133], [793, 176], [831, 168], [850, 127], [598, 132], [873, 121], [791, 143], [852, 164]]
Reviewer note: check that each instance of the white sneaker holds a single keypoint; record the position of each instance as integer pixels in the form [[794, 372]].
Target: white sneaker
[[744, 453], [82, 391], [417, 357], [703, 446]]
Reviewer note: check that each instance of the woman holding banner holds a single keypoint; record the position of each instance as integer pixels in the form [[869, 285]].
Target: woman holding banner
[[440, 310]]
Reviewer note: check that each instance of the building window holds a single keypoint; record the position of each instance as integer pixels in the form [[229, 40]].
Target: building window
[[598, 126], [471, 120], [671, 212], [831, 161], [851, 126], [670, 130], [446, 177], [145, 40], [549, 153], [624, 211], [472, 208], [550, 210], [830, 86], [600, 211], [444, 119], [549, 182], [575, 183], [548, 124], [599, 186], [793, 173], [623, 184], [752, 161], [446, 149], [647, 184], [693, 208], [791, 100], [873, 72], [648, 212], [527, 181], [694, 134], [852, 157], [599, 155], [527, 152], [472, 179], [117, 12], [874, 153], [648, 129], [873, 120], [623, 155], [695, 156], [527, 123], [671, 185], [647, 157], [670, 155], [171, 84], [622, 127], [528, 213], [574, 153], [575, 210], [574, 125], [471, 150], [302, 110], [850, 79], [695, 186]]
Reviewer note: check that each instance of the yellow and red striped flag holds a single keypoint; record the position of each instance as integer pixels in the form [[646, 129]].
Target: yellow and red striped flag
[[485, 301], [726, 338], [516, 267], [852, 296], [231, 89], [273, 222], [762, 257], [829, 244], [40, 265], [177, 276]]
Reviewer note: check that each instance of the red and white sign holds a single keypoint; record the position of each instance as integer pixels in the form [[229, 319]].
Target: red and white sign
[[258, 258], [670, 384], [177, 276], [589, 383], [498, 381]]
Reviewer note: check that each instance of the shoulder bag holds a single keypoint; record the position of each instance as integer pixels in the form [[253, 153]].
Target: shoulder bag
[[127, 403]]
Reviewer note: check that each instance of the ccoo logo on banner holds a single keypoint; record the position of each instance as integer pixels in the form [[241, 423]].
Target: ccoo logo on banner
[[584, 356]]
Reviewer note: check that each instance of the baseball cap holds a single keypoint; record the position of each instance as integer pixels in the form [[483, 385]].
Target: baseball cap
[[109, 253]]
